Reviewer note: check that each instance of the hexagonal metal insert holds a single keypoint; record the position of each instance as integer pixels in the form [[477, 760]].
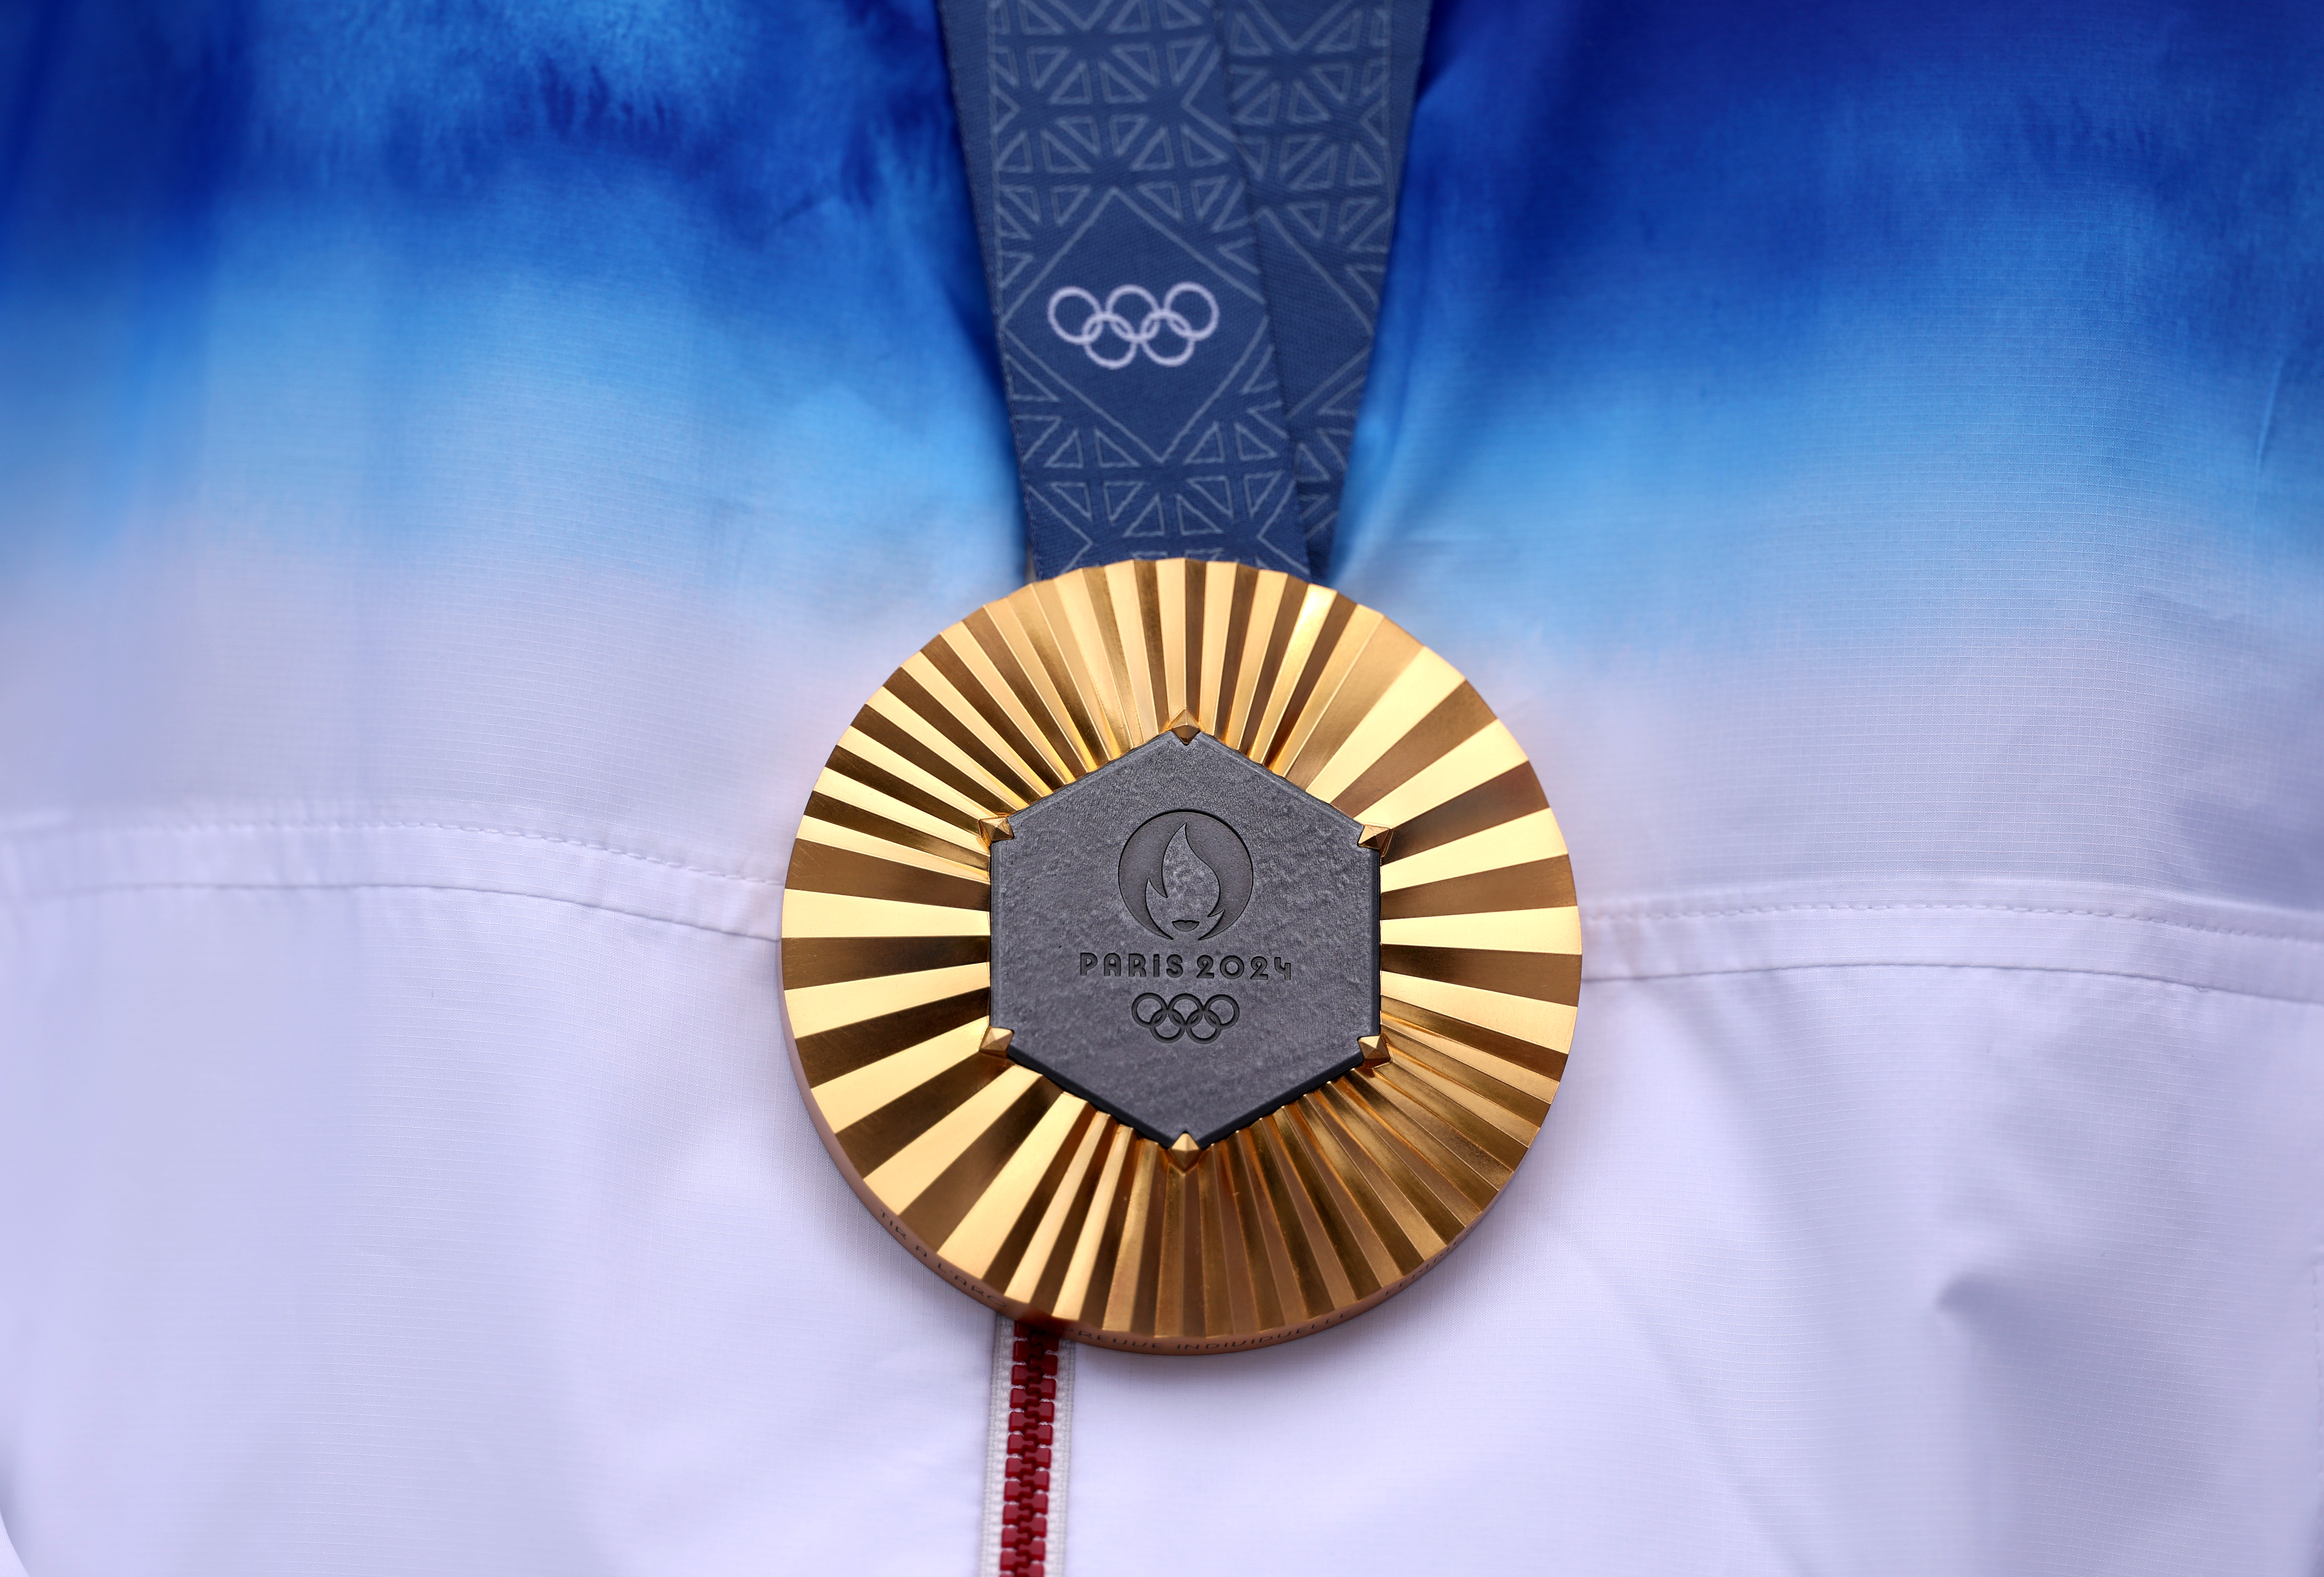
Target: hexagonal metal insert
[[1185, 940]]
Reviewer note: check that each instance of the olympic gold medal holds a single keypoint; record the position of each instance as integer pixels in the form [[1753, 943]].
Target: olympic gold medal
[[1179, 956]]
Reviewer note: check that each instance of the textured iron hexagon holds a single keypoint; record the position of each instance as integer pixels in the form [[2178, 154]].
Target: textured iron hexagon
[[1185, 940]]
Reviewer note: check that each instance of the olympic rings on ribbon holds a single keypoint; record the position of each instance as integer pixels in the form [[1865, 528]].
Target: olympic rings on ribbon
[[1184, 1014], [1160, 318]]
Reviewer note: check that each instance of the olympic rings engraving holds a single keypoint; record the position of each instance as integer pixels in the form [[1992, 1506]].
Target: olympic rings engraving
[[1184, 1014], [1104, 321]]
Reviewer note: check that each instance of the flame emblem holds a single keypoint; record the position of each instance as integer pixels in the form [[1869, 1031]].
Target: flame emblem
[[1185, 906], [1186, 875]]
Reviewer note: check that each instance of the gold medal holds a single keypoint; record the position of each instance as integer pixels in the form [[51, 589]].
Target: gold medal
[[1285, 925]]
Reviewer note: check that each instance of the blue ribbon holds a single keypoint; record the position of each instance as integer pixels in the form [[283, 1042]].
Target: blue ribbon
[[1186, 208]]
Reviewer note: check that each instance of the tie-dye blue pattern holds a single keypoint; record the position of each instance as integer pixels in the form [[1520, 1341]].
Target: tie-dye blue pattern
[[1657, 253], [1956, 352], [740, 215]]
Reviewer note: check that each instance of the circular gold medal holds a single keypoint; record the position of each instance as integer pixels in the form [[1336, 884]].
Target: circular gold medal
[[1178, 955]]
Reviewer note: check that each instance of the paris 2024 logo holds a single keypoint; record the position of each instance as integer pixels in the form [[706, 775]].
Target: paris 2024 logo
[[1185, 876]]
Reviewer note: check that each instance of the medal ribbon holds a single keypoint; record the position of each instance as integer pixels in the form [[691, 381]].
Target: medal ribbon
[[1185, 208]]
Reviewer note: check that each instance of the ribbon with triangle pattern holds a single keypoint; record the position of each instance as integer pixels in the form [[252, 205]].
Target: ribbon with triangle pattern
[[1185, 208]]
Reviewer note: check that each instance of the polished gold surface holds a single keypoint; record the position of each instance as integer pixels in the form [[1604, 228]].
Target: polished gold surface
[[1026, 1196]]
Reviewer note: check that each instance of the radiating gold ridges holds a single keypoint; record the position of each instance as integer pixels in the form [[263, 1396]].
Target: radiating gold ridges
[[888, 845], [900, 1180], [814, 1008], [1050, 1209], [853, 1096], [833, 914], [1517, 841]]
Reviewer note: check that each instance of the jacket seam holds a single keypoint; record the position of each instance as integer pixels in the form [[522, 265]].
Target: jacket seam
[[1604, 917], [371, 826], [112, 889], [758, 936], [2164, 980]]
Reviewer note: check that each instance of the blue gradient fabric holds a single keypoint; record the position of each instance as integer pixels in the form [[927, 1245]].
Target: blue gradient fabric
[[461, 467]]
